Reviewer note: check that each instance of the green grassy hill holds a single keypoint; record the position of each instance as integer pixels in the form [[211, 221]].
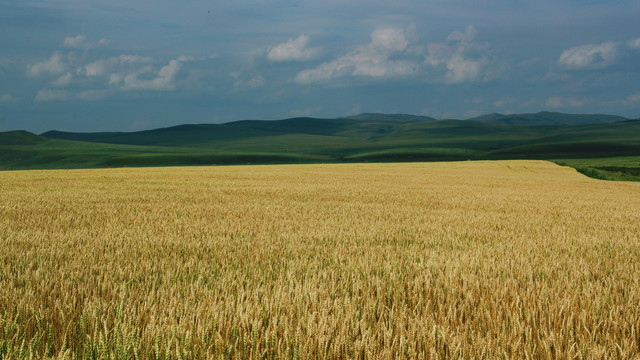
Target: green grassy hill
[[362, 138], [43, 153], [21, 138]]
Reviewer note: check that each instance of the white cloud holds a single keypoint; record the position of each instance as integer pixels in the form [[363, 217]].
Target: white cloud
[[79, 41], [74, 41], [392, 40], [101, 78], [54, 66], [589, 56], [455, 58], [461, 69], [96, 68], [371, 60], [389, 54], [163, 80], [52, 95], [141, 77], [634, 44], [100, 67], [63, 81], [293, 50], [253, 83]]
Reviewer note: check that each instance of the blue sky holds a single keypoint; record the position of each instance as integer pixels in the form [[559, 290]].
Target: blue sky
[[117, 65]]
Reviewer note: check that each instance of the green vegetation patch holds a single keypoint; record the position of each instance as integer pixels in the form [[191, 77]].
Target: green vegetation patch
[[625, 168]]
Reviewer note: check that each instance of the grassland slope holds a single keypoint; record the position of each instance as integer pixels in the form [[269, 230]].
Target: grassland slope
[[369, 137]]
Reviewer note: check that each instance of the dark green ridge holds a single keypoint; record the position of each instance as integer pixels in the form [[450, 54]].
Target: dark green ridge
[[548, 118]]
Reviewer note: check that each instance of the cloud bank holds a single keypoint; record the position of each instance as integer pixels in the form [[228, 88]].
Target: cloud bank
[[390, 55], [72, 77]]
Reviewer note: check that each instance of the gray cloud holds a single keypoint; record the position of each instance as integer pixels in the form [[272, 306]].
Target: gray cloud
[[53, 66], [74, 41], [63, 81]]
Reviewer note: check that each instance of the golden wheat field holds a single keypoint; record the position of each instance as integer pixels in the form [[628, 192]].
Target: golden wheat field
[[469, 260]]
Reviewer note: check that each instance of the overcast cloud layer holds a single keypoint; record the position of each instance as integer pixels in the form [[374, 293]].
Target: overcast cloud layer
[[129, 65]]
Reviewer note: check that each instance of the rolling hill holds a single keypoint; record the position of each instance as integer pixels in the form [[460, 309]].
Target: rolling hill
[[342, 138], [366, 137]]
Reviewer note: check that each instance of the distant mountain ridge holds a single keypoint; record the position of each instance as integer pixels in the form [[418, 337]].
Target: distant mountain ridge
[[365, 137], [366, 124], [546, 118], [542, 118], [371, 133], [389, 117]]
